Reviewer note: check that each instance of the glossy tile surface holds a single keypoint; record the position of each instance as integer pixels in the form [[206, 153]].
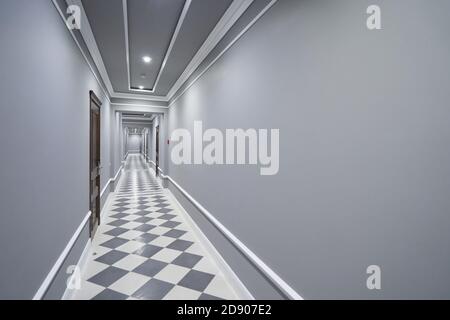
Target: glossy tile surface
[[144, 249]]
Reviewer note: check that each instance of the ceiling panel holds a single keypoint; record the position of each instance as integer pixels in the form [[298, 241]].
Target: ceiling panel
[[151, 25], [202, 17], [107, 23]]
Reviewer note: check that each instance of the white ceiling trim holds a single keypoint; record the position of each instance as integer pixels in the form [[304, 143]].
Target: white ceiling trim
[[138, 105], [127, 43], [89, 39], [120, 95], [180, 22], [186, 7], [233, 13], [63, 17], [266, 8]]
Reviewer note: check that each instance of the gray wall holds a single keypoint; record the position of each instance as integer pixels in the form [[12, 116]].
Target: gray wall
[[134, 143], [44, 99], [364, 148]]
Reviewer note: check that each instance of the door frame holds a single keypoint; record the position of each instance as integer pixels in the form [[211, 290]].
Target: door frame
[[95, 212]]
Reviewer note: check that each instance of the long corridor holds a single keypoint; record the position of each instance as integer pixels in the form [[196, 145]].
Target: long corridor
[[146, 247]]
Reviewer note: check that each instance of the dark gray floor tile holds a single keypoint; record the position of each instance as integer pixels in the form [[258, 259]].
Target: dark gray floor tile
[[150, 267], [114, 243], [145, 228], [116, 231], [205, 296], [119, 215], [109, 294], [196, 280], [171, 224], [148, 251], [111, 257], [167, 216], [153, 290], [175, 233], [164, 211], [143, 219], [118, 223], [180, 245], [187, 260], [108, 276]]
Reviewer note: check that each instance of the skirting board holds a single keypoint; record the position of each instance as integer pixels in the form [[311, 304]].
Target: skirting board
[[228, 272], [81, 264], [274, 278], [60, 261], [110, 181]]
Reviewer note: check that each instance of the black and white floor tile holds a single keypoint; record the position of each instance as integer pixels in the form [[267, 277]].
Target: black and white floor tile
[[145, 249]]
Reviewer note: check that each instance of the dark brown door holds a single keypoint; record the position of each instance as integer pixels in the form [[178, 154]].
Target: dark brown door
[[94, 163], [157, 150], [146, 145]]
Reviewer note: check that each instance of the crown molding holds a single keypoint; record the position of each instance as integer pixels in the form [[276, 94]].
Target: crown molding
[[173, 99], [120, 95], [180, 22], [89, 39], [233, 13]]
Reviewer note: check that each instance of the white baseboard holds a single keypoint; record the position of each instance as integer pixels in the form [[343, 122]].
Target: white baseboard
[[228, 272], [108, 184], [81, 264], [61, 259], [270, 274], [240, 289]]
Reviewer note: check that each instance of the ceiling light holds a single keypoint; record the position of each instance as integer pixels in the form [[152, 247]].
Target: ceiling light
[[147, 59], [141, 87]]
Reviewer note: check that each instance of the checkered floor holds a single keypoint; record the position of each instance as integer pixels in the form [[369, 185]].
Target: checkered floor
[[145, 249]]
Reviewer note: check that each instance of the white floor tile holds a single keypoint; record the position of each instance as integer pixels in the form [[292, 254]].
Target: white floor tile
[[130, 246], [181, 293], [167, 255], [130, 283], [87, 291], [172, 274]]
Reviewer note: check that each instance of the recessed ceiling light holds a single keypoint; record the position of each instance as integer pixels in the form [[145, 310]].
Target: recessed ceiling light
[[147, 59]]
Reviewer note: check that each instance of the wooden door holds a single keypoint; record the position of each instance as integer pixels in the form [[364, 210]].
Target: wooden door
[[157, 150], [146, 145], [94, 163]]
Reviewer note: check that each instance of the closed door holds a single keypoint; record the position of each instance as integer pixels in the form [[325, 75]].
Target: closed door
[[157, 150], [146, 145], [94, 165]]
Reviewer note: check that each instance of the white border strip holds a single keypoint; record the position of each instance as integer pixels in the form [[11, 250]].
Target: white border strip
[[180, 22], [137, 105], [58, 264], [257, 262], [183, 15], [110, 181], [89, 39], [105, 91], [81, 264], [233, 13], [236, 284], [220, 54]]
